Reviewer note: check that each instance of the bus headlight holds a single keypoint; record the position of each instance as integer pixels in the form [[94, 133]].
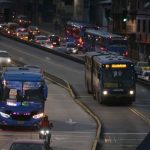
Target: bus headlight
[[40, 115], [4, 115], [105, 92], [8, 60], [131, 92]]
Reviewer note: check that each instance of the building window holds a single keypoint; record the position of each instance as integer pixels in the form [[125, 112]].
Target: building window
[[144, 25], [138, 26]]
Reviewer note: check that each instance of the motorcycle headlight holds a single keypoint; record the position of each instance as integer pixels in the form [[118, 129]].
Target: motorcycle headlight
[[131, 92], [4, 115], [105, 92], [40, 115]]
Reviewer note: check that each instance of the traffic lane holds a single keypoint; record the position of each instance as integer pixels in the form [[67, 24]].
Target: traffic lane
[[30, 55], [142, 104], [124, 121], [123, 127], [73, 128]]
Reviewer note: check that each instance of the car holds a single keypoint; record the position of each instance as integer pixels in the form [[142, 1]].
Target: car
[[29, 144], [71, 48], [5, 58], [140, 66], [145, 75], [10, 28], [22, 20], [33, 31], [41, 40], [54, 40], [22, 33]]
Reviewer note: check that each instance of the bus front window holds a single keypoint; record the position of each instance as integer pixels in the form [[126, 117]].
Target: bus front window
[[33, 91], [119, 42], [118, 78]]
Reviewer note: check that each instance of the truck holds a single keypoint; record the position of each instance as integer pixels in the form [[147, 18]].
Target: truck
[[23, 93]]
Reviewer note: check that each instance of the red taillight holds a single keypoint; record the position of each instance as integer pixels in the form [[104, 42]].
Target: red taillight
[[103, 49], [125, 53], [47, 41], [37, 41]]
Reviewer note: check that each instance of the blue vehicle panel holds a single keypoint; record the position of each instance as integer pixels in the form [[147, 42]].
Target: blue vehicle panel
[[23, 96]]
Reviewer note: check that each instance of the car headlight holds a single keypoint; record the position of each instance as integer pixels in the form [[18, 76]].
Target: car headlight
[[105, 92], [8, 60], [40, 115], [42, 132], [74, 50], [131, 92], [47, 131], [4, 115]]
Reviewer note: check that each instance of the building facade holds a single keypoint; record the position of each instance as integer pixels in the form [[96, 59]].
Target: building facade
[[132, 19]]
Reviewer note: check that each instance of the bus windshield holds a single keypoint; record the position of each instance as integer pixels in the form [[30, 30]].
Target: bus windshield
[[118, 42], [118, 78], [23, 91]]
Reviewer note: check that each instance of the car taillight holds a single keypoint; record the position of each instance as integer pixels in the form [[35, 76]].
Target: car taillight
[[47, 41], [37, 41], [103, 49], [125, 53]]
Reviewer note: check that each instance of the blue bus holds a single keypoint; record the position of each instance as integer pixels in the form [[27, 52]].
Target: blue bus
[[100, 40], [74, 32], [23, 94], [109, 77]]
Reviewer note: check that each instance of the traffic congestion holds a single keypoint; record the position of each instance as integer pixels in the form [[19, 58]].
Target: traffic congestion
[[78, 90]]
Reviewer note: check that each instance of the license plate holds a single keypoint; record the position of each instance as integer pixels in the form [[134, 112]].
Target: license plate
[[20, 122]]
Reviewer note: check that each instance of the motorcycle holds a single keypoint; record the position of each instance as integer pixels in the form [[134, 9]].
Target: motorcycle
[[45, 134]]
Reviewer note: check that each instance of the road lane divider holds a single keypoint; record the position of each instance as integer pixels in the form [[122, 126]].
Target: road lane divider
[[139, 114]]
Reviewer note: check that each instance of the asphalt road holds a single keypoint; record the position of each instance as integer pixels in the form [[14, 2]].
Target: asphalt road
[[123, 127], [73, 128]]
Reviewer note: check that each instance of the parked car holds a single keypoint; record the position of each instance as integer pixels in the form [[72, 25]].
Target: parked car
[[145, 75], [5, 58], [140, 66], [29, 144], [22, 33], [71, 48], [41, 40]]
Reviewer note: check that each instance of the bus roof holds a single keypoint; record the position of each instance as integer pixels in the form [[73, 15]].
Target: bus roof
[[100, 53], [22, 74], [103, 33], [80, 24], [109, 59]]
